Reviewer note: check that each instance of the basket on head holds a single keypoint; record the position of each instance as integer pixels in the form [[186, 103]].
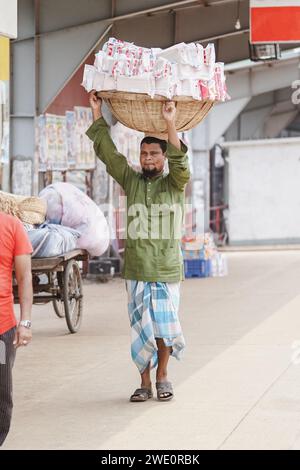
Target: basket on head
[[141, 112], [29, 209]]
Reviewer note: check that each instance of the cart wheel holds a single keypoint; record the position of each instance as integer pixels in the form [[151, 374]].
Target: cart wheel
[[59, 308], [58, 304], [72, 294]]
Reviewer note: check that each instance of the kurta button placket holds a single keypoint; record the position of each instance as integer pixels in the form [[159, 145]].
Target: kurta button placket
[[148, 193]]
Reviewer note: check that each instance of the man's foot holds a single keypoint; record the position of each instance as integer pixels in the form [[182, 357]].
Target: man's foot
[[142, 394], [164, 390]]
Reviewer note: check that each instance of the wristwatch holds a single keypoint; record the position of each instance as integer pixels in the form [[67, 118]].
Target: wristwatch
[[26, 323]]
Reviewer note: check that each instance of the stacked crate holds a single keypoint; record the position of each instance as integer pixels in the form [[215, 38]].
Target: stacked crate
[[196, 262]]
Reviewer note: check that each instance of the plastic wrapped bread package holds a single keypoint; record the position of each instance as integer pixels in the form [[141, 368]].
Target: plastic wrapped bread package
[[166, 86], [109, 65], [163, 68], [98, 81], [180, 70], [103, 82], [185, 71], [109, 83], [98, 63], [209, 90], [219, 78], [190, 88], [191, 54], [127, 66], [116, 46], [177, 88], [143, 84], [94, 80], [212, 89], [204, 89], [209, 56], [88, 77], [119, 50], [174, 53], [146, 63]]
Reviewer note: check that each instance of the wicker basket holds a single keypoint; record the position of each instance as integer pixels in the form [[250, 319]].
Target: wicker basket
[[29, 209], [143, 113]]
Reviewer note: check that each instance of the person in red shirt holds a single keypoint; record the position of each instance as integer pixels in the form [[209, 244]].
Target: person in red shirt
[[15, 249]]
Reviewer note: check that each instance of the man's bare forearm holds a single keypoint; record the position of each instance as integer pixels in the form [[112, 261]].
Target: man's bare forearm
[[96, 114], [25, 296], [95, 103], [172, 135]]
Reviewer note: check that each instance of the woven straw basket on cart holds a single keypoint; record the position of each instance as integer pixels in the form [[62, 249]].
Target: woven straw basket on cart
[[29, 209], [143, 113]]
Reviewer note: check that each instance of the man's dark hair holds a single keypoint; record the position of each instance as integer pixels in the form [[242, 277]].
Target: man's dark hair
[[154, 140]]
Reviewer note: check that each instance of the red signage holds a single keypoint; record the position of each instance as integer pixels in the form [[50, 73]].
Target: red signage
[[274, 21]]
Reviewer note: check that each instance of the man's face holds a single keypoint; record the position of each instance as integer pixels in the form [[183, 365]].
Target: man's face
[[152, 159]]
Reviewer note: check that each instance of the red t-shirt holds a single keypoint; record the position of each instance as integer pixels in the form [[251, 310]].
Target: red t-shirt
[[14, 241]]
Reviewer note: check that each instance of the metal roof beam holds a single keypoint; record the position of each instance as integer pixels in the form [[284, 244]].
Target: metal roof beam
[[180, 5]]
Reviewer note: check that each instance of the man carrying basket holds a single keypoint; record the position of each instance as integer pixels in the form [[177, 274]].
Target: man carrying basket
[[153, 266]]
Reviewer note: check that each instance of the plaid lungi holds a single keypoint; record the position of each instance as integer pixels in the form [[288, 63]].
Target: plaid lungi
[[153, 313]]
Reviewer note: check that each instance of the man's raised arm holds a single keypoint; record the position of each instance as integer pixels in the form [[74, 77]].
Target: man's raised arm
[[116, 164], [179, 172]]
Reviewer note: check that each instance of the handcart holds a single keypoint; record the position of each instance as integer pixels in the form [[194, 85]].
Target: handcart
[[63, 286]]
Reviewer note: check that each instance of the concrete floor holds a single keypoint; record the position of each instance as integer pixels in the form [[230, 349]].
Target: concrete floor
[[238, 386]]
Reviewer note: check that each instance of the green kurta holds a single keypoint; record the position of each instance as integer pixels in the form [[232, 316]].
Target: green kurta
[[155, 210]]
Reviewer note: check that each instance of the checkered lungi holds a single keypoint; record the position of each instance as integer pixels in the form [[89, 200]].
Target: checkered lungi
[[153, 313]]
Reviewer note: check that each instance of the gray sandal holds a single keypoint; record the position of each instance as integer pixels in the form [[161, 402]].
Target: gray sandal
[[141, 394], [164, 388]]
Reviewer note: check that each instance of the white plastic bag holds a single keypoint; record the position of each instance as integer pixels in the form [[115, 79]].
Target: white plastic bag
[[52, 240]]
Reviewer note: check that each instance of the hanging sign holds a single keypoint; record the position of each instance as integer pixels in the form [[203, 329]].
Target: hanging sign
[[274, 21]]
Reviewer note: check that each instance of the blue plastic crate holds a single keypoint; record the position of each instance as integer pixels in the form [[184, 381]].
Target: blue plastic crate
[[196, 268]]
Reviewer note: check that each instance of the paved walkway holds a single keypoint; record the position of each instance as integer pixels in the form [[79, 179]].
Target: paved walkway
[[238, 386]]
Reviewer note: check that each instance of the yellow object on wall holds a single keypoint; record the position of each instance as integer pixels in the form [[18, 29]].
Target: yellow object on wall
[[4, 58]]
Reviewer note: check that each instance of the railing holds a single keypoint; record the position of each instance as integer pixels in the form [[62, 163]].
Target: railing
[[217, 223]]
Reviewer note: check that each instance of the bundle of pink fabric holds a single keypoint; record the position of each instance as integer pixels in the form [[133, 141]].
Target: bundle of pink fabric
[[70, 207]]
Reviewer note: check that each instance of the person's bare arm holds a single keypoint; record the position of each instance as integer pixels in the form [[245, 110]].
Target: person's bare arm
[[105, 149], [24, 280], [169, 113], [179, 172], [95, 103]]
